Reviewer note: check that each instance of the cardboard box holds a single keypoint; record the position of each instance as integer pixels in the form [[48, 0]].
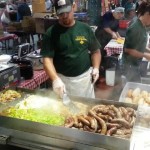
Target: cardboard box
[[38, 7], [28, 24], [10, 77], [38, 1], [43, 21]]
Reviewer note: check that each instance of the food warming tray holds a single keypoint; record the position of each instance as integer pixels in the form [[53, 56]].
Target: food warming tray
[[132, 85], [35, 135]]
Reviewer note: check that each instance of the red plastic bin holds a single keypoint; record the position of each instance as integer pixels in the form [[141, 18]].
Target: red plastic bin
[[123, 24]]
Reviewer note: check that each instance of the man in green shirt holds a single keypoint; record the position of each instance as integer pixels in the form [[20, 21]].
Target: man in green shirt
[[70, 49], [135, 44]]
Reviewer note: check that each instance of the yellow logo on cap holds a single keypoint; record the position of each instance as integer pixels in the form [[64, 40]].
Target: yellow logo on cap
[[81, 39]]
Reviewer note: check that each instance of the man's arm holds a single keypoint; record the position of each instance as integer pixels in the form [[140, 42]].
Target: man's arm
[[57, 84], [147, 48], [112, 33], [118, 35], [96, 59], [137, 54], [49, 68]]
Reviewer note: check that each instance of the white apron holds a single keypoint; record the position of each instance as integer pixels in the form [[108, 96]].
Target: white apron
[[80, 85]]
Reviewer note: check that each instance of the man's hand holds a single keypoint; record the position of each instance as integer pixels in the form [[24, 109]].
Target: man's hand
[[114, 35], [59, 87], [95, 75], [147, 56]]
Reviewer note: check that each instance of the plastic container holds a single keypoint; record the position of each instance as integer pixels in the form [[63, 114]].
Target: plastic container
[[143, 117], [140, 139], [132, 85]]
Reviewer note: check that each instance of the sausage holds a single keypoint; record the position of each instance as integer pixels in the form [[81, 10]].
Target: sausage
[[69, 122], [110, 113], [76, 123], [120, 132], [122, 122], [111, 131], [97, 106], [131, 110], [127, 117], [87, 128], [121, 111], [105, 117], [101, 122], [123, 131], [126, 114], [102, 110], [132, 121], [96, 124], [115, 109], [124, 111], [127, 131], [80, 125], [102, 116], [83, 120], [111, 125], [99, 131], [93, 122], [109, 118]]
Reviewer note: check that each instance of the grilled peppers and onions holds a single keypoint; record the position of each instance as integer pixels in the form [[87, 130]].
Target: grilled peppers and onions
[[37, 115]]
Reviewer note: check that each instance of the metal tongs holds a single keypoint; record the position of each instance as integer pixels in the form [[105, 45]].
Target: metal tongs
[[71, 106]]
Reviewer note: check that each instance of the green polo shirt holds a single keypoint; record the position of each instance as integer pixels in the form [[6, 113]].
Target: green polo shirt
[[69, 48], [136, 38]]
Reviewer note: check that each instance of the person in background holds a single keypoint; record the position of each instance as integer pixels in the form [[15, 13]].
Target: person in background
[[69, 50], [129, 5], [112, 5], [131, 14], [23, 9], [108, 27], [12, 10], [138, 3], [48, 5], [2, 8], [4, 16], [135, 44]]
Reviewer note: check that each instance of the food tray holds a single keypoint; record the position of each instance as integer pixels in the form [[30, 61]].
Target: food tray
[[132, 85]]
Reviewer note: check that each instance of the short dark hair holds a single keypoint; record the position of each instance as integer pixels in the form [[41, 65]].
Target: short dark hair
[[2, 4], [143, 8]]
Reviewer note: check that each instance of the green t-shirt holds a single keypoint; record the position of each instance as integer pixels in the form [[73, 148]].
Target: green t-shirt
[[69, 48], [136, 38]]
